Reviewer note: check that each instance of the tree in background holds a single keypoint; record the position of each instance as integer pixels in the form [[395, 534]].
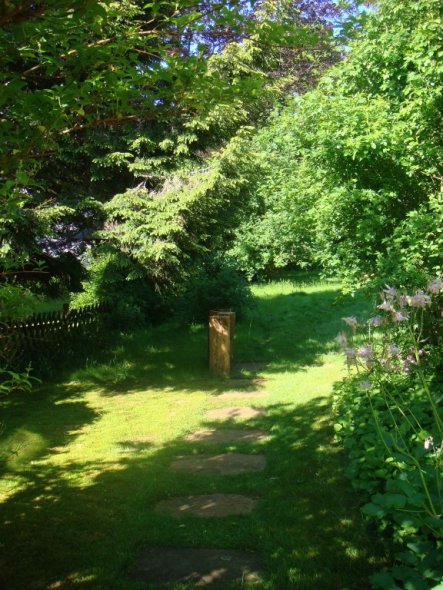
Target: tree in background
[[363, 171], [101, 97], [278, 231]]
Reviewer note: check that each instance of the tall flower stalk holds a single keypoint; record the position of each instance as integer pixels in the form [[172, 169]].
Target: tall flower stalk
[[396, 367]]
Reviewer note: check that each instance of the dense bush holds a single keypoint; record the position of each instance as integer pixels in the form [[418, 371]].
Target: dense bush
[[389, 418], [279, 230], [354, 167], [119, 280], [217, 284]]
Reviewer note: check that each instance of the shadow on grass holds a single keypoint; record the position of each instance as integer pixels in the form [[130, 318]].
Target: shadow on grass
[[38, 423], [307, 527], [58, 533], [288, 332]]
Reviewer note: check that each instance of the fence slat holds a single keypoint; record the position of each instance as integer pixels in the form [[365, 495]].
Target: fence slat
[[45, 328]]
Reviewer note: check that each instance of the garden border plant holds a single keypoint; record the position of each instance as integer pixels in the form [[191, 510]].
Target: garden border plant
[[389, 419]]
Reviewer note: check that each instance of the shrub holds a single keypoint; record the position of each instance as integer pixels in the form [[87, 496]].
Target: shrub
[[216, 284], [389, 419], [116, 278]]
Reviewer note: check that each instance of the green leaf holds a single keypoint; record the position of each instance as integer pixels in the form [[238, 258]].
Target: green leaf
[[384, 581], [374, 510]]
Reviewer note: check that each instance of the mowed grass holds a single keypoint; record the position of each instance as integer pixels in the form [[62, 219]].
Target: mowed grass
[[87, 458]]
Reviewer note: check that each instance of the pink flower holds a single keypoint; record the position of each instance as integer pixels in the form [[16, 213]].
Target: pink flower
[[364, 385], [435, 286], [375, 321], [398, 316], [351, 321], [420, 299], [386, 306]]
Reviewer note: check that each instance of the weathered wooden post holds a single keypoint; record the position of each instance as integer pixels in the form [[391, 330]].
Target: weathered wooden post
[[221, 341]]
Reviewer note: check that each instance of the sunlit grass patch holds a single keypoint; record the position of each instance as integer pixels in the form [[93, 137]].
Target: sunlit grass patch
[[79, 504]]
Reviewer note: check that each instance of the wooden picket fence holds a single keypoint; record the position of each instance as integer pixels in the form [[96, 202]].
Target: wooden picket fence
[[44, 330]]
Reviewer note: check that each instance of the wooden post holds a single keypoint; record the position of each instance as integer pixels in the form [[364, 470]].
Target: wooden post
[[221, 341]]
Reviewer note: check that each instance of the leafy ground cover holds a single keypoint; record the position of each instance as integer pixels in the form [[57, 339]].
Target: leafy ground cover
[[86, 459]]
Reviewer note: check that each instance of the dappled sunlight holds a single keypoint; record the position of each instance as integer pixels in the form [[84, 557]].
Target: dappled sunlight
[[21, 447], [104, 444], [302, 496], [302, 520], [290, 330]]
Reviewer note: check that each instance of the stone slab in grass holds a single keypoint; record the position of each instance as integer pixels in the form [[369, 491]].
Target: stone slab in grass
[[241, 394], [200, 567], [208, 505], [223, 464], [233, 412], [226, 435]]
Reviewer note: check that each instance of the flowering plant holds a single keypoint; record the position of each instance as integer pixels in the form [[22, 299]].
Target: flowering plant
[[390, 419]]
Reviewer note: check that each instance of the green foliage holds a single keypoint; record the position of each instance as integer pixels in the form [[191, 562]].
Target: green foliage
[[216, 284], [84, 81], [415, 248], [389, 420], [11, 381], [155, 237], [15, 302], [118, 279], [277, 232], [357, 161]]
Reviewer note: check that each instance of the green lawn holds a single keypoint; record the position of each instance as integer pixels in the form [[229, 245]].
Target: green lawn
[[87, 458]]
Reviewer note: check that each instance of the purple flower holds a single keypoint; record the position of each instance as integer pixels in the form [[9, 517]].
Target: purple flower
[[351, 354], [390, 291], [403, 300], [409, 360], [351, 321], [342, 340], [435, 286], [365, 352], [375, 321], [429, 442], [398, 316], [393, 350], [385, 306], [420, 299]]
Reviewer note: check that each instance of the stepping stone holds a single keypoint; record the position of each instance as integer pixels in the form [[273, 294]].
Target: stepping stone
[[223, 464], [241, 394], [208, 506], [232, 412], [200, 567], [226, 435]]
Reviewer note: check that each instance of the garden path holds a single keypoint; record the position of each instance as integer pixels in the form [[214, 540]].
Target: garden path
[[208, 567]]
